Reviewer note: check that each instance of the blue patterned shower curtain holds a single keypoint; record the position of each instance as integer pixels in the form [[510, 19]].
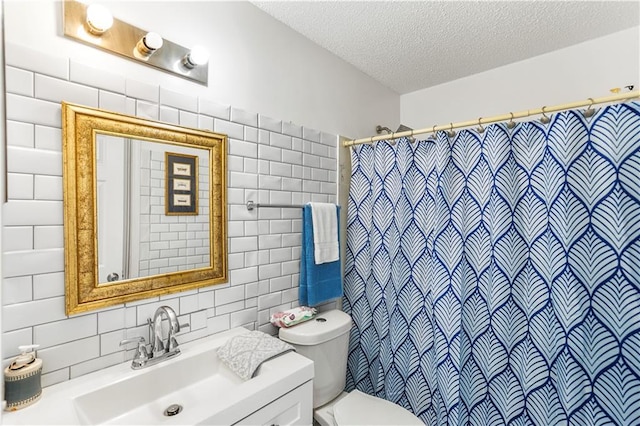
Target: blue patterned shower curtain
[[494, 278]]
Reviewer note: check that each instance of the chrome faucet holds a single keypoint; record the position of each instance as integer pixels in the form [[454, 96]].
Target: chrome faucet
[[158, 349], [159, 346]]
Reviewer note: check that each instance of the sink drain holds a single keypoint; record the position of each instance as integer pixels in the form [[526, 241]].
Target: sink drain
[[172, 410]]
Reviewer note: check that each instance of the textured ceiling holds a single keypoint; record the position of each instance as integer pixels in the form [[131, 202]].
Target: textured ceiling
[[409, 46]]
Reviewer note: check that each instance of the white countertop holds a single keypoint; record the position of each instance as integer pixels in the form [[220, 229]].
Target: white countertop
[[225, 401]]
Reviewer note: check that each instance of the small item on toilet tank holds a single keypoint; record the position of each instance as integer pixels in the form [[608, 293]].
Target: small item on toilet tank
[[22, 386], [294, 316]]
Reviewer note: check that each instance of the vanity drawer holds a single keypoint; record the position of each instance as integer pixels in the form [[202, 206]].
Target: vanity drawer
[[293, 408]]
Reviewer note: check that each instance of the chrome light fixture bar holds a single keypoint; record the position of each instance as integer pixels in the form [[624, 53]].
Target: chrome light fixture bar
[[101, 30]]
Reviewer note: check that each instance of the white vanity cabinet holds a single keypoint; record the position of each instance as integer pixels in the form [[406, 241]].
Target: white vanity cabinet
[[293, 408]]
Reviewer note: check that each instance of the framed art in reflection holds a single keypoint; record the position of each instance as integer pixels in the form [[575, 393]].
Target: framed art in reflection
[[181, 184]]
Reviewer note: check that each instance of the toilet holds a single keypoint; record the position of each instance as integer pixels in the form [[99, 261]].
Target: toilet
[[325, 340]]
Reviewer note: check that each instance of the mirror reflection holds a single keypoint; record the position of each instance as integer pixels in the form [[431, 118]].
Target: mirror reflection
[[137, 237]]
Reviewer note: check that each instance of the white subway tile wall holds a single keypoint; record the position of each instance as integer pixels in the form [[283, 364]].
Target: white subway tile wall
[[270, 161]]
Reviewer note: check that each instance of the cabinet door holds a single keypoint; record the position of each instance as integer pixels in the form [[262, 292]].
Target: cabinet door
[[293, 408]]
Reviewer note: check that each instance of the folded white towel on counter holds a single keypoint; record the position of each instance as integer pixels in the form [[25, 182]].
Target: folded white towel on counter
[[325, 232], [244, 353]]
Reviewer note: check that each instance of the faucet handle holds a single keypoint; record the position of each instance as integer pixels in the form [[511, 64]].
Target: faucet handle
[[185, 325], [142, 355], [138, 339]]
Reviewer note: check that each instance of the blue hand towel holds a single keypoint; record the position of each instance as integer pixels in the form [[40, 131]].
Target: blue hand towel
[[318, 283]]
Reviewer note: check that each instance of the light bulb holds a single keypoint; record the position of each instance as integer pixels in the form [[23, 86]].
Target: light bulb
[[99, 19], [198, 56], [148, 44]]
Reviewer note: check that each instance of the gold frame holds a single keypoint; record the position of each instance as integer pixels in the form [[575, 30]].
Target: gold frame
[[79, 127]]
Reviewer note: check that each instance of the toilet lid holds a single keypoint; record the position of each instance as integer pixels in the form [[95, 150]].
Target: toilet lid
[[358, 408]]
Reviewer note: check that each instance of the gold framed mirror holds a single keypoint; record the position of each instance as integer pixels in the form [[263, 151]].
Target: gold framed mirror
[[144, 208]]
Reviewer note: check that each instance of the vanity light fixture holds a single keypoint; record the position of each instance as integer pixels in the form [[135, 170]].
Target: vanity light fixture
[[94, 25], [197, 57], [99, 19], [149, 44]]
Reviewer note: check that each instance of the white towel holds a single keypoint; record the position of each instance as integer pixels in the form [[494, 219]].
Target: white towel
[[325, 232]]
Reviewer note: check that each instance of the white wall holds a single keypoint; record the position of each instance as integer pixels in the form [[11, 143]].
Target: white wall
[[585, 70], [2, 153], [270, 160], [257, 63]]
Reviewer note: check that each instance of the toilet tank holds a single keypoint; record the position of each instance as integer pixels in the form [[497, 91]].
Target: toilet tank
[[324, 340]]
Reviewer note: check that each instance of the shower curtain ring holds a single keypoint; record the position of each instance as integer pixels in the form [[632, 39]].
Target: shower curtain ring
[[544, 119], [451, 133], [411, 138], [392, 141], [511, 124], [480, 129], [589, 111], [433, 132]]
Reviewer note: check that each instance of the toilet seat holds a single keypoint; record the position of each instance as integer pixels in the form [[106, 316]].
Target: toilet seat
[[358, 408]]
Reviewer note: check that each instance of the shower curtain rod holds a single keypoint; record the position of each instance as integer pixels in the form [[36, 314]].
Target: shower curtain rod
[[504, 117]]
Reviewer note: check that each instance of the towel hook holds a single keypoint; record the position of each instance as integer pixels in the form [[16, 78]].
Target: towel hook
[[544, 119], [480, 129], [511, 124], [589, 111]]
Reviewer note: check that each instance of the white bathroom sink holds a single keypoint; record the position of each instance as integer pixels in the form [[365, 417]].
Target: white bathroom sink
[[188, 381], [207, 390]]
